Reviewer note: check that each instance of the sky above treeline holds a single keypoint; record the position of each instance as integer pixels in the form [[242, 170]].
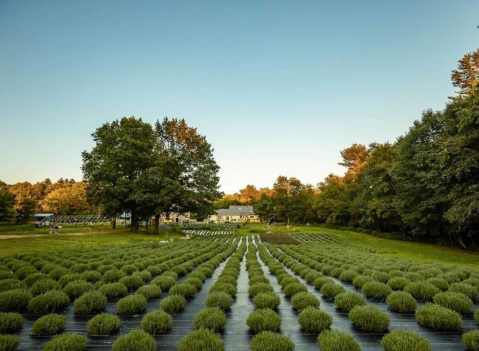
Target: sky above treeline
[[278, 87]]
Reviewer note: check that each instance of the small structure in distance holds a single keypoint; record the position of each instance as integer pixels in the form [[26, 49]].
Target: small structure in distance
[[235, 214]]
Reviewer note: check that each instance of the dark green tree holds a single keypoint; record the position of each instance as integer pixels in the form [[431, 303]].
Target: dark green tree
[[26, 210], [7, 200], [123, 153]]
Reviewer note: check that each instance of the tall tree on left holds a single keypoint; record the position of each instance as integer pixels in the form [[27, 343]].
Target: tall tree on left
[[7, 200], [124, 151]]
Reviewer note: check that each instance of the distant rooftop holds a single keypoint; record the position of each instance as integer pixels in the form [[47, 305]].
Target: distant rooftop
[[236, 211]]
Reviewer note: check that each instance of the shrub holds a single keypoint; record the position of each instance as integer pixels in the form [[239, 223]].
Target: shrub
[[113, 290], [132, 282], [227, 288], [150, 291], [104, 324], [132, 304], [11, 284], [135, 340], [257, 288], [129, 269], [198, 283], [219, 299], [49, 324], [398, 283], [173, 304], [70, 342], [9, 342], [360, 280], [303, 299], [376, 290], [156, 322], [48, 302], [68, 278], [183, 289], [287, 280], [319, 282], [210, 318], [294, 288], [381, 277], [466, 289], [471, 340], [369, 318], [24, 272], [201, 340], [454, 301], [439, 283], [336, 340], [43, 286], [10, 322], [422, 290], [476, 316], [14, 300], [165, 282], [91, 276], [267, 300], [312, 276], [402, 302], [331, 290], [90, 302], [113, 276], [347, 300], [263, 319], [438, 317], [269, 341], [313, 320], [77, 288], [400, 340], [348, 276]]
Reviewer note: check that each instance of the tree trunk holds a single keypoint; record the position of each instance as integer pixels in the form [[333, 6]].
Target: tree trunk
[[157, 224], [132, 221], [460, 239], [113, 222]]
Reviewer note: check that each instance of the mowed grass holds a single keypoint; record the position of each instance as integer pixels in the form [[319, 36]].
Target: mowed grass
[[25, 229], [117, 237], [394, 248]]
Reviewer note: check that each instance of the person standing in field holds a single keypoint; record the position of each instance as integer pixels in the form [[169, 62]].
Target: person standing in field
[[56, 228], [51, 228]]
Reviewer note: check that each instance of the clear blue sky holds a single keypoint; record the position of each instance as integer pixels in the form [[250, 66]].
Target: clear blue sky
[[278, 87]]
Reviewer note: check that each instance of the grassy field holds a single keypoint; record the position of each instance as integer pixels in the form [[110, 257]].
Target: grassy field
[[399, 249], [110, 237], [25, 229]]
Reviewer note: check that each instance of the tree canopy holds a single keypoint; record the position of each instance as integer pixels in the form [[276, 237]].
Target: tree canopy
[[147, 170]]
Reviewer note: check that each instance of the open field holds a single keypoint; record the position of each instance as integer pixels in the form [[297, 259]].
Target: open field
[[47, 242], [26, 229], [390, 248], [105, 293]]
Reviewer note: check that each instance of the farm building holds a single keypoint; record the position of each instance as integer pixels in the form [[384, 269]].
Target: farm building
[[235, 214]]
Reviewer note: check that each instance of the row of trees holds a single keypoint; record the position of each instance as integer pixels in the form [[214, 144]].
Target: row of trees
[[425, 185], [64, 197], [149, 170]]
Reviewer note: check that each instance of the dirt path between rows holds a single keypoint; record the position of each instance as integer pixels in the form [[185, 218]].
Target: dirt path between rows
[[19, 236]]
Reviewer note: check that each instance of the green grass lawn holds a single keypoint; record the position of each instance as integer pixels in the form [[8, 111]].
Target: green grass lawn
[[50, 242], [394, 248], [23, 229]]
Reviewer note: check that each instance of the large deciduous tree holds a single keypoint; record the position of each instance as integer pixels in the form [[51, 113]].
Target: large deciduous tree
[[149, 171], [124, 151]]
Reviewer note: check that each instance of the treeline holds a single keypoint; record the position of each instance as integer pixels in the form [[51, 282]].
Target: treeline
[[424, 186], [64, 197], [136, 168]]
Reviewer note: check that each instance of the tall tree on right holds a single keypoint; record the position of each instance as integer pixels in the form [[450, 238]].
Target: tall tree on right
[[466, 76]]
